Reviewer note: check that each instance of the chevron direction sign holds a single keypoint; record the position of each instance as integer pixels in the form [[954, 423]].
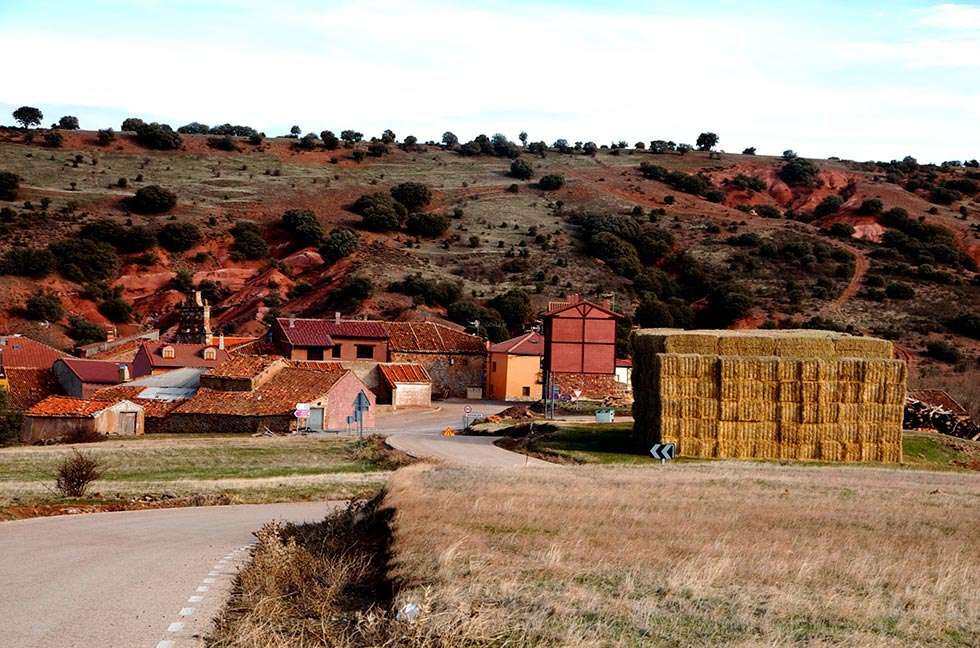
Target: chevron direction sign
[[662, 451]]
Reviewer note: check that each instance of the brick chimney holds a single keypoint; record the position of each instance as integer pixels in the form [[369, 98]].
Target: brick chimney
[[292, 321], [123, 373], [221, 341], [336, 317]]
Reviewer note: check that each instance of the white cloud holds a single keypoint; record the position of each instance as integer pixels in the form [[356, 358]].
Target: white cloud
[[955, 17]]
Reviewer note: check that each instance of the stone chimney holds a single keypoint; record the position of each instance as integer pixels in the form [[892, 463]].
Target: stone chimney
[[336, 317], [221, 341], [123, 373], [292, 321]]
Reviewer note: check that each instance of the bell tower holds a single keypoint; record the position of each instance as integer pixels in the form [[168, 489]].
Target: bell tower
[[195, 320]]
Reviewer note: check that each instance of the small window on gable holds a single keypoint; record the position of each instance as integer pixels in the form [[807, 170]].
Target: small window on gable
[[210, 353], [168, 352]]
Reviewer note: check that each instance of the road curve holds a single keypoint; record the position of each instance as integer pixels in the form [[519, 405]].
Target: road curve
[[127, 579], [419, 434]]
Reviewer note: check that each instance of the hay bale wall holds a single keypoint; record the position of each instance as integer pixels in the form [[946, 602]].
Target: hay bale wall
[[809, 395]]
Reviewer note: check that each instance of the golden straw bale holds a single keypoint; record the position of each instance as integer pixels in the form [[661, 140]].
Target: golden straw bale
[[896, 373], [709, 408], [831, 450], [849, 392], [847, 432], [689, 408], [709, 447], [894, 395], [806, 451], [809, 433], [736, 369], [791, 392], [891, 452], [688, 447], [709, 388], [749, 389], [767, 449], [791, 433], [670, 428], [727, 430], [871, 413], [891, 433], [671, 407], [707, 428], [678, 387], [676, 341], [789, 413], [810, 391], [850, 369], [744, 344], [814, 369], [787, 450], [893, 414], [847, 412], [787, 369], [810, 346], [852, 452], [868, 432], [862, 347], [870, 452], [728, 410], [745, 449]]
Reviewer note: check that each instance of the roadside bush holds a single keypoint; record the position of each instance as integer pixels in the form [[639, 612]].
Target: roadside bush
[[338, 244], [899, 291], [28, 262], [83, 260], [377, 149], [44, 306], [714, 195], [430, 225], [83, 331], [9, 184], [943, 351], [194, 128], [302, 225], [76, 473], [379, 212], [551, 182], [156, 136], [152, 199], [521, 169], [751, 183], [178, 237]]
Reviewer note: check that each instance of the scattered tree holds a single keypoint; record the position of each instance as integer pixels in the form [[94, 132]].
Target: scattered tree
[[152, 199], [28, 116], [83, 260], [156, 136], [551, 182], [130, 124], [28, 262], [44, 305], [9, 184], [178, 237], [413, 195], [303, 227], [430, 225], [68, 122], [749, 151], [339, 243], [706, 141], [106, 136], [521, 169], [76, 473]]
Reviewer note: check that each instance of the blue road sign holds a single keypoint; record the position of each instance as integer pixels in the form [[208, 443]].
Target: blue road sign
[[361, 403]]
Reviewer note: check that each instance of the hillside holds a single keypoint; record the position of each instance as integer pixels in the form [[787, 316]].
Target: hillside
[[717, 239]]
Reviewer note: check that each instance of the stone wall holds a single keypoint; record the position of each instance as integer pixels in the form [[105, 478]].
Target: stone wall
[[592, 386], [451, 373], [220, 423]]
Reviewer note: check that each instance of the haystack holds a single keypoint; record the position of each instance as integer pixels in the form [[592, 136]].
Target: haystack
[[798, 394]]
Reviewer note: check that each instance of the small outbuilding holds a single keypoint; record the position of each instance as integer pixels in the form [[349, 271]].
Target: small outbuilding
[[60, 418], [405, 384]]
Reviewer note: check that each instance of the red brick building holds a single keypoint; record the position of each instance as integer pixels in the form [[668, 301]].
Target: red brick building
[[25, 370], [154, 358], [580, 349]]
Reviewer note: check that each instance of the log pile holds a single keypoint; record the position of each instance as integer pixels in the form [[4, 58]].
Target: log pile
[[920, 415]]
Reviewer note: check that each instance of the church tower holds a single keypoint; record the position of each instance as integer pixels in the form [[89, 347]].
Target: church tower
[[195, 320]]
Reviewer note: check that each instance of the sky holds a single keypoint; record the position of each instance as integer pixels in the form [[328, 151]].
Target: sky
[[856, 79]]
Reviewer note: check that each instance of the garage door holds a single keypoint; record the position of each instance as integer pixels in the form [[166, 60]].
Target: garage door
[[315, 422]]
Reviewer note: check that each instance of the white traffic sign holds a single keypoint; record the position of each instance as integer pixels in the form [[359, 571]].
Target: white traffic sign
[[468, 409]]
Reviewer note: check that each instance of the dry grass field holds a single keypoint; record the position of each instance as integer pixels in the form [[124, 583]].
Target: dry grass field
[[719, 554]]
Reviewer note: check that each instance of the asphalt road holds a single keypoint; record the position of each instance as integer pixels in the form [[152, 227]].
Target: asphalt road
[[128, 579], [419, 433]]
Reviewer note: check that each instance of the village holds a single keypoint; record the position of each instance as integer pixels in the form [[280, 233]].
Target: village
[[303, 375]]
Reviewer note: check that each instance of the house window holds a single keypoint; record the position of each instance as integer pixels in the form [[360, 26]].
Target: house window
[[168, 352], [210, 353], [314, 354], [335, 351], [364, 351], [525, 391], [494, 366]]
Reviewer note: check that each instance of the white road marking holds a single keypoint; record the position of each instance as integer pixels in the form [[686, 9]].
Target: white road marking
[[212, 573], [195, 599], [165, 644], [176, 626], [186, 611], [208, 581], [202, 588]]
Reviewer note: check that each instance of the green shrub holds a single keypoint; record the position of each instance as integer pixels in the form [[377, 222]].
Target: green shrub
[[223, 143], [106, 136], [83, 331], [870, 207], [68, 122], [249, 243], [83, 260], [967, 324], [829, 205], [42, 305], [303, 227], [28, 262], [551, 182], [130, 124], [944, 196], [799, 172], [338, 244], [430, 225], [943, 351], [899, 291], [843, 230], [714, 195], [653, 313], [178, 237], [521, 169], [413, 195], [155, 136], [54, 139], [116, 309], [9, 184], [129, 239], [152, 199], [428, 291], [767, 211], [353, 291]]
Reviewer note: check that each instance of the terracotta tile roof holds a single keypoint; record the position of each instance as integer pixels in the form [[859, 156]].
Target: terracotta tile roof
[[318, 365], [305, 332], [430, 337], [152, 408], [407, 372], [530, 344], [243, 366], [23, 352], [233, 342], [277, 396], [560, 307], [940, 398], [67, 407], [624, 362], [124, 352], [103, 372], [185, 355], [372, 329], [26, 387]]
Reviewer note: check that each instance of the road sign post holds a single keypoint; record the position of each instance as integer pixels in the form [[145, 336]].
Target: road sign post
[[662, 451], [361, 405]]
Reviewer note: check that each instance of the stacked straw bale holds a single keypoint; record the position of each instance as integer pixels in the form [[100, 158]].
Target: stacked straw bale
[[816, 395]]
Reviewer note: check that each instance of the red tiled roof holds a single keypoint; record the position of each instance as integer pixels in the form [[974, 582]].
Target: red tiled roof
[[277, 396], [66, 406], [123, 352], [404, 372], [23, 352], [232, 342], [244, 366], [624, 362], [152, 408], [940, 398], [557, 307], [26, 387], [530, 344], [356, 329], [185, 355], [430, 337], [305, 332], [103, 372], [318, 365]]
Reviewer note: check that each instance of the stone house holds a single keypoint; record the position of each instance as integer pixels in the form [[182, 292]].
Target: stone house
[[61, 418], [404, 385], [81, 378]]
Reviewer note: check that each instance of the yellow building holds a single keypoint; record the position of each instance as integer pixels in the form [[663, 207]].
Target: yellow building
[[515, 368]]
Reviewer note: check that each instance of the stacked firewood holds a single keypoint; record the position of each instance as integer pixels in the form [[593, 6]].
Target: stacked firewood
[[920, 415]]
